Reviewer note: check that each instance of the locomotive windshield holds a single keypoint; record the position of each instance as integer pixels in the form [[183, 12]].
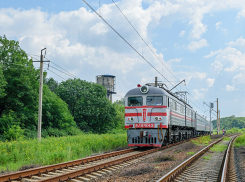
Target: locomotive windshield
[[154, 101], [135, 101]]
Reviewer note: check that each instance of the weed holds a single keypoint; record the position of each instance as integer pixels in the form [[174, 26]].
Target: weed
[[202, 140], [218, 148], [52, 150], [226, 138], [207, 157], [240, 141], [190, 153], [164, 159]]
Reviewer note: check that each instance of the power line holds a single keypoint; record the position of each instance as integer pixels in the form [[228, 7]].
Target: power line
[[131, 46], [148, 45], [57, 74], [126, 42], [64, 70], [143, 40]]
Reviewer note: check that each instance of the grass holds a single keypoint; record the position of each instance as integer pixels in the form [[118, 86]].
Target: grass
[[240, 141], [226, 139], [202, 140], [207, 157], [218, 148], [190, 153], [16, 154]]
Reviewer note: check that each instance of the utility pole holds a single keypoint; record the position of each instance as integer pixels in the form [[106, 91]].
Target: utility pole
[[217, 116], [211, 106], [40, 95]]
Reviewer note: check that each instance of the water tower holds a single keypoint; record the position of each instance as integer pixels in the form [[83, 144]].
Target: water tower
[[109, 82]]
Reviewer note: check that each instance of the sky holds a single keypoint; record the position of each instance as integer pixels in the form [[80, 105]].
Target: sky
[[200, 41]]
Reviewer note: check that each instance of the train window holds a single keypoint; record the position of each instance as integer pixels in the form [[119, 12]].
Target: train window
[[168, 101], [135, 101], [154, 101]]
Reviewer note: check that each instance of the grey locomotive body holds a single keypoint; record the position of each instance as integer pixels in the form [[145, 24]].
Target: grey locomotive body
[[156, 117]]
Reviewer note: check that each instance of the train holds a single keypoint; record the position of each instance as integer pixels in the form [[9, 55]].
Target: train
[[155, 116]]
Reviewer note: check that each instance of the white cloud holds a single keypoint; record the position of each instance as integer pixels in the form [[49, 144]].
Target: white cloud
[[197, 95], [175, 60], [230, 88], [212, 53], [99, 28], [218, 25], [182, 33], [193, 46], [239, 79], [241, 13], [239, 42], [217, 66], [210, 82], [229, 60]]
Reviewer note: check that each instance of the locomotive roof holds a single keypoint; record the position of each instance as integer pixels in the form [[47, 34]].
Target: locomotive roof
[[152, 91]]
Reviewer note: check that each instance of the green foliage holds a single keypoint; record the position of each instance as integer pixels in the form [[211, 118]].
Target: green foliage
[[235, 130], [2, 83], [88, 105], [52, 84], [21, 90], [230, 122], [240, 141], [51, 150], [218, 148], [226, 138], [55, 111], [14, 133], [190, 153], [202, 140], [207, 157]]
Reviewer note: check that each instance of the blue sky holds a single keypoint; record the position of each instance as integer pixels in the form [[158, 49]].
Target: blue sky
[[200, 41]]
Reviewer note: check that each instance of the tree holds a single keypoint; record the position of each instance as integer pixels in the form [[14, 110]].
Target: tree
[[55, 111], [21, 90], [2, 83], [52, 84], [88, 105]]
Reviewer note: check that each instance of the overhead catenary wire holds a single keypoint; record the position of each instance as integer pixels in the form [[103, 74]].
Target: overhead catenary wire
[[126, 41], [56, 74], [143, 40], [149, 46], [64, 69], [130, 45]]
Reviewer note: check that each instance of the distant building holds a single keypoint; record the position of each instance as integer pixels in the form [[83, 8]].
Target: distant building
[[109, 82]]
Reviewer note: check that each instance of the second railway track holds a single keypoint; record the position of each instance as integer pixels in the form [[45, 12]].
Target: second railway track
[[205, 166]]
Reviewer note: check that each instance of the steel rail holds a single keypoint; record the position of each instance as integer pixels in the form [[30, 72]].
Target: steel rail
[[94, 168], [173, 173], [30, 172], [45, 169], [226, 162]]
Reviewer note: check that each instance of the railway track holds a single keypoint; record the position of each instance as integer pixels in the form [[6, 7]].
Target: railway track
[[206, 166], [83, 169]]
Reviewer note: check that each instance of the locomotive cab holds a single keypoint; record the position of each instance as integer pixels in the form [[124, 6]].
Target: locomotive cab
[[146, 116]]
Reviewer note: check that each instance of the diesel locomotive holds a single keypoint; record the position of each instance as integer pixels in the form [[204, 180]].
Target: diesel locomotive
[[154, 116]]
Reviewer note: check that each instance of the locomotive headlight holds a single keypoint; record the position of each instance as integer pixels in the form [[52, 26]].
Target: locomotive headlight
[[131, 119], [144, 89], [158, 118]]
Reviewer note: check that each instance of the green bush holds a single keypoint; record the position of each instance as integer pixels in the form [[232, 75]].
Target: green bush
[[14, 133]]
